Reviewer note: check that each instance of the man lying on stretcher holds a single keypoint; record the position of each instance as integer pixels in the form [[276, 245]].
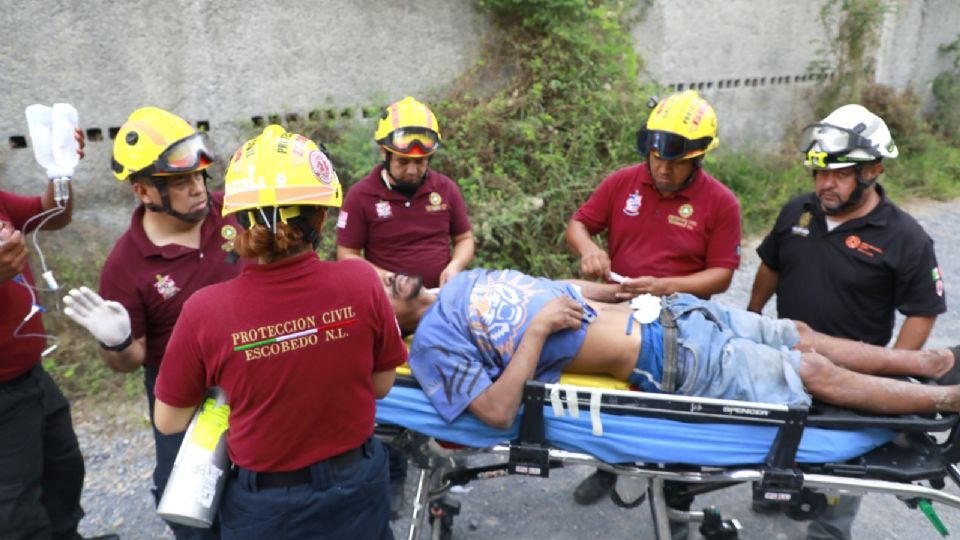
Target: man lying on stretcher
[[487, 332]]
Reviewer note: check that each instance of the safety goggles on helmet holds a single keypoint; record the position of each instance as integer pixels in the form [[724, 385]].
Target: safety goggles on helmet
[[412, 141], [189, 154], [670, 146], [835, 140]]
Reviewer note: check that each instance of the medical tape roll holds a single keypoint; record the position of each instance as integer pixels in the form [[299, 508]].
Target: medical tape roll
[[200, 471]]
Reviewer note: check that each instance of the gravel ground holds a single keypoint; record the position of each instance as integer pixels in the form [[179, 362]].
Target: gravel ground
[[118, 446]]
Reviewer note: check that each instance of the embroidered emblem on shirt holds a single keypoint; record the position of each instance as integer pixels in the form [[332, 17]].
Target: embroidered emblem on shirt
[[632, 207], [436, 203], [687, 224], [228, 232], [685, 211], [166, 287], [383, 209], [855, 242], [938, 280], [342, 220], [802, 228]]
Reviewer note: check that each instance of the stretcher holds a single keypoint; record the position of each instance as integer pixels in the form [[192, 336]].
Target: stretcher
[[792, 455]]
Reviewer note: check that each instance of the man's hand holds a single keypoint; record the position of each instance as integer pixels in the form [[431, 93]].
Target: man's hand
[[448, 273], [81, 141], [561, 313], [632, 287], [13, 253], [107, 321], [595, 263]]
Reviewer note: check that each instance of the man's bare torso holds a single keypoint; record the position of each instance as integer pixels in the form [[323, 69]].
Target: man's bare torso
[[607, 348]]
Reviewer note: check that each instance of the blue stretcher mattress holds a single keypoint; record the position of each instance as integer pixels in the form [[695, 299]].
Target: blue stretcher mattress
[[628, 439]]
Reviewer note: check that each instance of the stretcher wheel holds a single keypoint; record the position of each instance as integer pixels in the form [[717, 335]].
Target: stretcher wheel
[[805, 506], [442, 513]]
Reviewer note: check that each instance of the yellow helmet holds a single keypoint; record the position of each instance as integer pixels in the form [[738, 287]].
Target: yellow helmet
[[154, 142], [682, 126], [408, 128], [280, 169]]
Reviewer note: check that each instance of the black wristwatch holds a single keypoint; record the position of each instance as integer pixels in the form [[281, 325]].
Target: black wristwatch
[[120, 346]]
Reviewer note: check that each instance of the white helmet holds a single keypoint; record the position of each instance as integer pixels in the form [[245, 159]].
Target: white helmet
[[847, 136]]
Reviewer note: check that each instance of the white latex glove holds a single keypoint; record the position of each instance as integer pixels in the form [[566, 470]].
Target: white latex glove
[[108, 321]]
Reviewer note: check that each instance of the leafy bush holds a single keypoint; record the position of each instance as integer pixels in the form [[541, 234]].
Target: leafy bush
[[529, 154]]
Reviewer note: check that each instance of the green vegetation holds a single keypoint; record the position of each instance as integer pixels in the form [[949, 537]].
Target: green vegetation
[[552, 107], [75, 363]]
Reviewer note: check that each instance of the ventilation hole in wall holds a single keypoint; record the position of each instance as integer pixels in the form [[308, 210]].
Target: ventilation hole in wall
[[315, 114], [94, 134], [257, 120], [274, 118], [112, 132], [710, 85], [330, 113], [292, 117], [202, 126], [679, 87], [18, 141], [346, 113]]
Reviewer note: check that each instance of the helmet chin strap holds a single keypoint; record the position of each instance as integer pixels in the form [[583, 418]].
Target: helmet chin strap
[[855, 195], [411, 187], [165, 208]]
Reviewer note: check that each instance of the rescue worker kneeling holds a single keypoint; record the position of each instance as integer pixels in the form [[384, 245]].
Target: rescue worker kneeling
[[302, 348]]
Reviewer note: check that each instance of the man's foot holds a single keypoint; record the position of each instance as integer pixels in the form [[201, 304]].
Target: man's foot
[[952, 376], [594, 487], [397, 499]]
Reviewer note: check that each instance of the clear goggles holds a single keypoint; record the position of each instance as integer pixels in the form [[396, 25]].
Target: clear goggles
[[835, 140], [189, 154], [670, 145], [415, 140]]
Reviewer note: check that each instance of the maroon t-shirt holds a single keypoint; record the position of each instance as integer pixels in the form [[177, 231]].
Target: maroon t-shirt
[[18, 354], [400, 235], [152, 282], [649, 234], [294, 345]]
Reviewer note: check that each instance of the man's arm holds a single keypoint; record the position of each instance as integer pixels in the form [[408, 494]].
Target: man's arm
[[344, 253], [914, 332], [594, 261], [170, 419], [704, 283], [48, 203], [383, 382], [463, 247], [128, 359], [497, 406], [764, 285], [601, 292]]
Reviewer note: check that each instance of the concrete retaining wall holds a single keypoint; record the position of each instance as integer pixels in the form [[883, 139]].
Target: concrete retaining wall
[[228, 61]]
